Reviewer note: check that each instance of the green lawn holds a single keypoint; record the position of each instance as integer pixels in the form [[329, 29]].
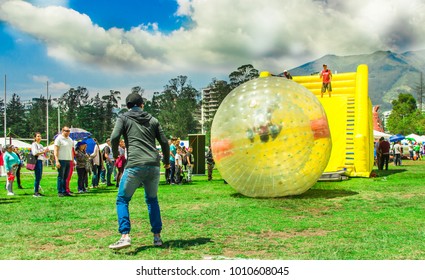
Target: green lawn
[[376, 218]]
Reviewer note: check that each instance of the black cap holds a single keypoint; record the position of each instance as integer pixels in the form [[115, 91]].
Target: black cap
[[134, 99]]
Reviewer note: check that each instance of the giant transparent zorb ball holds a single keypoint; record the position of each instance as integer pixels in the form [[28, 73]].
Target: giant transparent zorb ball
[[270, 138]]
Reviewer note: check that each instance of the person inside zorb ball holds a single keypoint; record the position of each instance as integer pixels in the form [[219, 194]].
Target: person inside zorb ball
[[270, 138]]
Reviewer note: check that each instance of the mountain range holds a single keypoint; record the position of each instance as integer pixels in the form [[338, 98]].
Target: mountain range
[[389, 73]]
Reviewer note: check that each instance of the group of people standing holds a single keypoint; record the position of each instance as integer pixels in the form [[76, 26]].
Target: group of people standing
[[384, 150], [137, 150], [180, 159], [65, 156]]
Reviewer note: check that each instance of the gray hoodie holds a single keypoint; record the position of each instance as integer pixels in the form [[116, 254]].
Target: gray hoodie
[[140, 130]]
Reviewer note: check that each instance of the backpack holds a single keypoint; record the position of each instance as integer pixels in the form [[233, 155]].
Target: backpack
[[184, 160]]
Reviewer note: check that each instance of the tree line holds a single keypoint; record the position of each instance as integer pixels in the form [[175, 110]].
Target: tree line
[[406, 117], [175, 107]]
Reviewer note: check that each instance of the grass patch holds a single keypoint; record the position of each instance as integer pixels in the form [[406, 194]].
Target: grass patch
[[359, 219]]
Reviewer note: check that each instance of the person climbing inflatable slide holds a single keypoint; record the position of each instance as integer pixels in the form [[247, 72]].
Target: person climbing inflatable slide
[[349, 113]]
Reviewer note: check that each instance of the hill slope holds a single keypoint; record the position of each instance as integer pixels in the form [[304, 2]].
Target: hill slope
[[389, 73]]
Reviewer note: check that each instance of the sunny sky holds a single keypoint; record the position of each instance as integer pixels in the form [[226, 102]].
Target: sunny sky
[[104, 45]]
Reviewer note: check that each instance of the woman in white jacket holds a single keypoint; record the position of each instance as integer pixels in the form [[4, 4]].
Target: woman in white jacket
[[97, 159]]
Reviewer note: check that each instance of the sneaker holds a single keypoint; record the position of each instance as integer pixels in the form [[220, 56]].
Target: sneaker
[[80, 191], [61, 195], [67, 194], [36, 195], [157, 241], [124, 242], [10, 193]]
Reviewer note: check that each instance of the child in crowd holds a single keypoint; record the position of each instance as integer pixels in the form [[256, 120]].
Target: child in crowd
[[81, 157], [11, 163], [179, 165]]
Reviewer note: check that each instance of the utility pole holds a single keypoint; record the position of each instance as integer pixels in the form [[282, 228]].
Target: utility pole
[[421, 93], [47, 114], [5, 131]]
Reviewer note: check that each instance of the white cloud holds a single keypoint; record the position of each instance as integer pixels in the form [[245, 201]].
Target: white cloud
[[40, 78], [45, 3], [55, 86], [225, 34], [184, 8]]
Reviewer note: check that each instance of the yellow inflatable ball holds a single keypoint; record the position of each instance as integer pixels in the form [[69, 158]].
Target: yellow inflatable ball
[[270, 138]]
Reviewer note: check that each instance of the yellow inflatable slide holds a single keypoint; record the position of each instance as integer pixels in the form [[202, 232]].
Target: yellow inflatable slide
[[349, 113]]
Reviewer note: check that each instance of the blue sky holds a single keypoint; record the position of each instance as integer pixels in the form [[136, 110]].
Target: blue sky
[[104, 45], [110, 14]]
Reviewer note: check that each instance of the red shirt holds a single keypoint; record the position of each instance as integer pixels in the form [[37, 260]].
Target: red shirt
[[384, 147], [326, 76]]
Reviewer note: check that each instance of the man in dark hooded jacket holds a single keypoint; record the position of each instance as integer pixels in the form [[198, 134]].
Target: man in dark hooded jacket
[[140, 130]]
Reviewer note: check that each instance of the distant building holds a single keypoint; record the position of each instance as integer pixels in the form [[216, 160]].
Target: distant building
[[27, 104], [385, 116], [209, 106]]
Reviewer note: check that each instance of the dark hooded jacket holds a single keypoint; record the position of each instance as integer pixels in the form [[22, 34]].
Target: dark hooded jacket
[[140, 130]]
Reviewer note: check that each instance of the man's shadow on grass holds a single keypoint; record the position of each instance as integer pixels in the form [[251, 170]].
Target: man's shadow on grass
[[9, 200], [389, 172], [100, 190], [310, 194], [169, 244]]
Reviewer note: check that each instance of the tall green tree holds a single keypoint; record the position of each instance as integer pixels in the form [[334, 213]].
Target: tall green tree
[[243, 74], [97, 116], [35, 120], [175, 107], [111, 109], [16, 118], [153, 106], [138, 90], [71, 102], [404, 115]]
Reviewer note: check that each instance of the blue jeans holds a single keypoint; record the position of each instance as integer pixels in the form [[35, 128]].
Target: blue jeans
[[172, 171], [63, 173], [96, 175], [131, 179], [102, 176], [38, 172], [109, 169]]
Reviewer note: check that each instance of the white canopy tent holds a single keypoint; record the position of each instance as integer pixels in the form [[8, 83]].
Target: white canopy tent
[[417, 138], [378, 134], [15, 142]]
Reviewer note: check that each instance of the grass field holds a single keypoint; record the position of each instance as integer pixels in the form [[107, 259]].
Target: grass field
[[378, 218]]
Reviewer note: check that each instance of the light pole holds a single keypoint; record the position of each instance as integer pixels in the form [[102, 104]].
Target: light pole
[[5, 123], [59, 114], [49, 99], [47, 114]]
